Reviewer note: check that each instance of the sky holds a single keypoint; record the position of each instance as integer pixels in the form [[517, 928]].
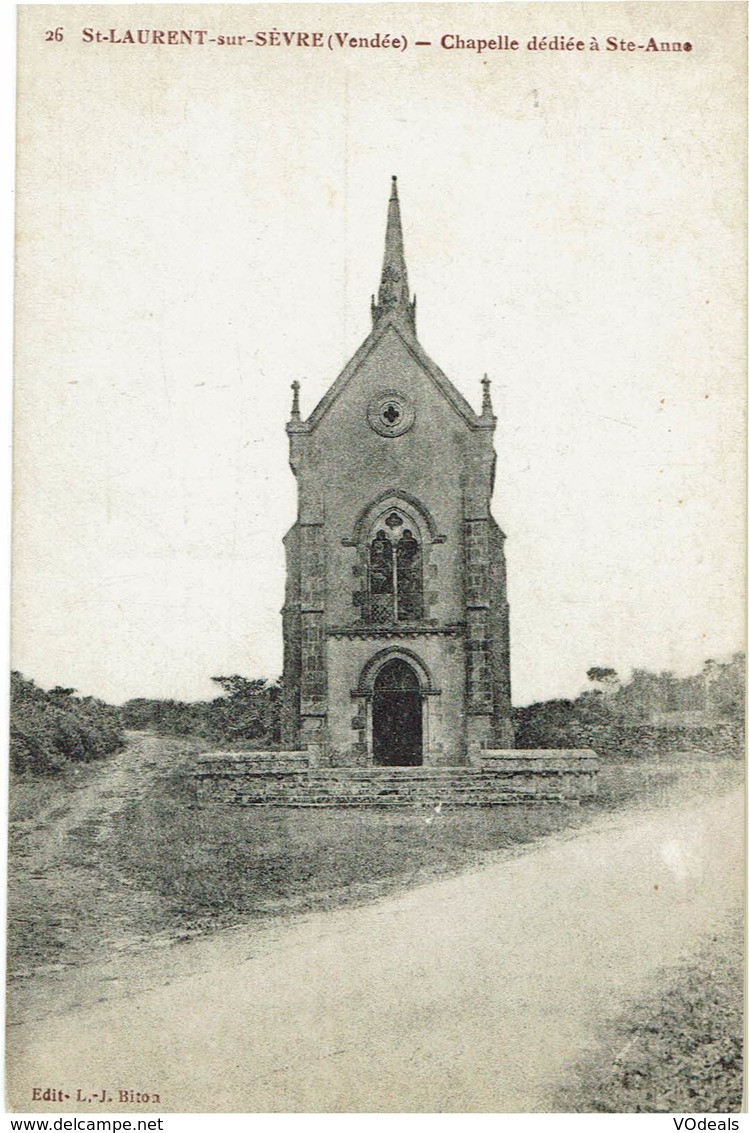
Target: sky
[[197, 227]]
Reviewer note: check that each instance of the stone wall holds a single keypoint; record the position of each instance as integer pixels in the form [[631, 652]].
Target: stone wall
[[625, 741], [487, 633], [502, 778], [438, 655]]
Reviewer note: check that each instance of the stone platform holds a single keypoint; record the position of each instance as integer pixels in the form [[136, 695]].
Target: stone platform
[[500, 778]]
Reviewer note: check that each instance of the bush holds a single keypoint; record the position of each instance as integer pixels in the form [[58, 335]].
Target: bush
[[646, 712], [49, 730], [248, 713], [553, 723]]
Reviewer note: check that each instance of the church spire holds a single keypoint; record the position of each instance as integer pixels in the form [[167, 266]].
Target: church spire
[[393, 296]]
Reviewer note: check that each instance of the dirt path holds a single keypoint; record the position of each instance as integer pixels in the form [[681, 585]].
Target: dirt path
[[110, 785], [472, 994], [58, 850]]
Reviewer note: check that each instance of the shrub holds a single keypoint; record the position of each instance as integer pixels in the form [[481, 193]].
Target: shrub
[[248, 713], [49, 730]]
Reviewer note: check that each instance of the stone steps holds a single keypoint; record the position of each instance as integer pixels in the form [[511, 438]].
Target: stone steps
[[246, 783]]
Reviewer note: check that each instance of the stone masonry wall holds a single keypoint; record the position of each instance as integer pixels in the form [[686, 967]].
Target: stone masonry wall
[[479, 697], [313, 675], [647, 740], [284, 779]]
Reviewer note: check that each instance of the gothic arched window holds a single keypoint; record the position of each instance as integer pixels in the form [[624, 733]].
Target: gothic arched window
[[381, 579], [396, 592], [408, 573]]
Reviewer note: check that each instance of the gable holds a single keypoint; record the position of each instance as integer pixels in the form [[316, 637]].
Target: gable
[[366, 354]]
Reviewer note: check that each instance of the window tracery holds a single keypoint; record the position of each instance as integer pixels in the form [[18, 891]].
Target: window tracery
[[395, 575]]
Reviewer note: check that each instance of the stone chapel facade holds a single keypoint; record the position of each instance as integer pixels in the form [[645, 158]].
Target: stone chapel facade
[[396, 621]]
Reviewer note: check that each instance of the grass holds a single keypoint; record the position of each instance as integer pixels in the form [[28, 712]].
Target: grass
[[214, 864], [678, 1051], [234, 863], [70, 900], [162, 866], [29, 796], [160, 869]]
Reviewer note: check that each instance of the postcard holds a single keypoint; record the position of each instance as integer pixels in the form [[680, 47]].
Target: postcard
[[377, 712]]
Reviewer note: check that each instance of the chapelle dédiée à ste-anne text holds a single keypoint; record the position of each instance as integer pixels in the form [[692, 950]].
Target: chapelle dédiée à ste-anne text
[[343, 40]]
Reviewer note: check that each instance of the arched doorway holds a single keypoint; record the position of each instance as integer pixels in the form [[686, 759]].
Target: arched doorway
[[396, 716]]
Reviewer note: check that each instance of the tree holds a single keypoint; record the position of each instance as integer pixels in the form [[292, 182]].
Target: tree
[[607, 677], [251, 710], [248, 711], [240, 687]]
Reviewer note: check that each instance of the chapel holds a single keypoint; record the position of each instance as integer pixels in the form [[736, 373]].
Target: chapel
[[395, 621]]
